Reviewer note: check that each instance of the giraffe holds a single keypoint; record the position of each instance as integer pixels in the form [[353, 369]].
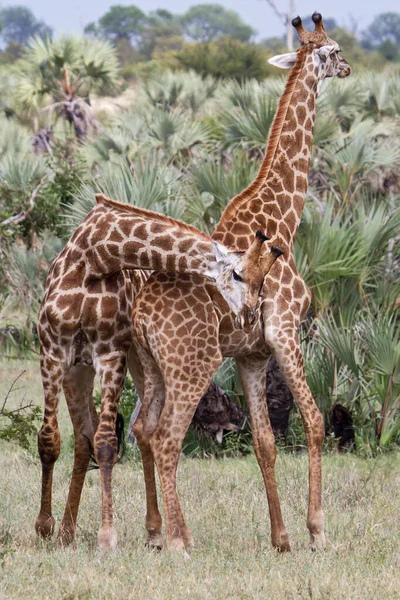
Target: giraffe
[[84, 329], [172, 385]]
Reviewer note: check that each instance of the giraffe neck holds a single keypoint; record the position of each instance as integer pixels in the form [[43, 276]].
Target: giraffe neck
[[116, 237], [274, 201]]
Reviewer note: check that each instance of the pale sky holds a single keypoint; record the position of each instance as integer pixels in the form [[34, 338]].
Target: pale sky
[[71, 16]]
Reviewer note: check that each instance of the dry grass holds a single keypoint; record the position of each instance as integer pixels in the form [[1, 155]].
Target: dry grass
[[225, 505]]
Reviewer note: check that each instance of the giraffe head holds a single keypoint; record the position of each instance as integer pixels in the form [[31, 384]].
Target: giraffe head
[[323, 50], [241, 276]]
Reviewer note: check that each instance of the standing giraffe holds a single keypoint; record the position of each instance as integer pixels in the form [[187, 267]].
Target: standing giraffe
[[84, 329], [174, 384]]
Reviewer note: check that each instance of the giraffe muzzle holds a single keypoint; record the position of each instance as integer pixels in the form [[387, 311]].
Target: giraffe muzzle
[[345, 70]]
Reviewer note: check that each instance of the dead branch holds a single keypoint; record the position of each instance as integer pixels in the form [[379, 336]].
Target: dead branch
[[22, 216], [11, 390], [283, 16], [286, 18]]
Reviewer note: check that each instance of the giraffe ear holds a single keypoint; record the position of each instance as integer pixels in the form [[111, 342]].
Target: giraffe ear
[[221, 251], [283, 61]]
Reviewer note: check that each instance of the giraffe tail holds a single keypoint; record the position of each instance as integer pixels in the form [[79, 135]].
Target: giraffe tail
[[121, 446]]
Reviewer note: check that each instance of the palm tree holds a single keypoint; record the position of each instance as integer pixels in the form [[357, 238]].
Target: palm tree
[[59, 75]]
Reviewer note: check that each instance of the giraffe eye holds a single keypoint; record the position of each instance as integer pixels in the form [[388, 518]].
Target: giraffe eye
[[236, 276]]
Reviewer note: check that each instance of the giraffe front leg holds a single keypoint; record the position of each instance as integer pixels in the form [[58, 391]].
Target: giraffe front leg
[[252, 372], [48, 442], [290, 360], [112, 374]]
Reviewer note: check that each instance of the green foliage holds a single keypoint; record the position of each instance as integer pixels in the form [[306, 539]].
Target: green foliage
[[18, 24], [367, 364], [225, 57], [26, 272], [179, 90], [187, 143], [52, 181], [207, 22], [68, 170], [120, 22], [19, 425], [213, 184], [354, 161], [162, 32], [147, 184], [385, 26], [339, 254], [62, 74]]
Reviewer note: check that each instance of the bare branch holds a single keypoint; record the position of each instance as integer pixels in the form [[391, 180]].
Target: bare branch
[[22, 216], [282, 16], [12, 389], [286, 18]]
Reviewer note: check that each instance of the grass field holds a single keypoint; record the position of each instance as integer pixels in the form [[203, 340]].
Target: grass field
[[225, 505]]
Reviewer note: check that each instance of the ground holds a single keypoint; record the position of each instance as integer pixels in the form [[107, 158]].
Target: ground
[[225, 505]]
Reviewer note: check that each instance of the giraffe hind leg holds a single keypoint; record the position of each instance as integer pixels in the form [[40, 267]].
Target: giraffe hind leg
[[166, 444], [78, 390], [48, 442], [153, 400], [112, 375]]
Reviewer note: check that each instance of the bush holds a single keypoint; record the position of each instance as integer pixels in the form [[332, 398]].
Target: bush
[[19, 425], [226, 57]]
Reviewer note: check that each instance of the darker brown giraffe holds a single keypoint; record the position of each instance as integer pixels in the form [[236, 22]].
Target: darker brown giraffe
[[84, 329], [205, 326]]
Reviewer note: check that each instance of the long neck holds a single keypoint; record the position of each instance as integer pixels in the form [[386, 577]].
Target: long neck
[[115, 238], [274, 201]]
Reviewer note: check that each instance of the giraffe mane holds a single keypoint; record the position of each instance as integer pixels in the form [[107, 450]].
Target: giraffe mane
[[272, 143], [149, 214]]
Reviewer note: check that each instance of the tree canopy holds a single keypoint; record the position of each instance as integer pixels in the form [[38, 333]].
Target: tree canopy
[[18, 24], [207, 22], [120, 22], [385, 27]]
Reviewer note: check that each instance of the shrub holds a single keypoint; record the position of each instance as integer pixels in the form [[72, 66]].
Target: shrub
[[226, 57]]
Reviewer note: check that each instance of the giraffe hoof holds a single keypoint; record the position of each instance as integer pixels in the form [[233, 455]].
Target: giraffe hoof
[[317, 542], [44, 526], [282, 544], [188, 539], [177, 544], [154, 541], [107, 539], [65, 536]]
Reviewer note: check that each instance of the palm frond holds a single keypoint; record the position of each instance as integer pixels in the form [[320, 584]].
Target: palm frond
[[146, 184]]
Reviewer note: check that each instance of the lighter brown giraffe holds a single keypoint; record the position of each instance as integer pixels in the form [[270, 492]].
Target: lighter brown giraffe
[[173, 386], [84, 329]]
